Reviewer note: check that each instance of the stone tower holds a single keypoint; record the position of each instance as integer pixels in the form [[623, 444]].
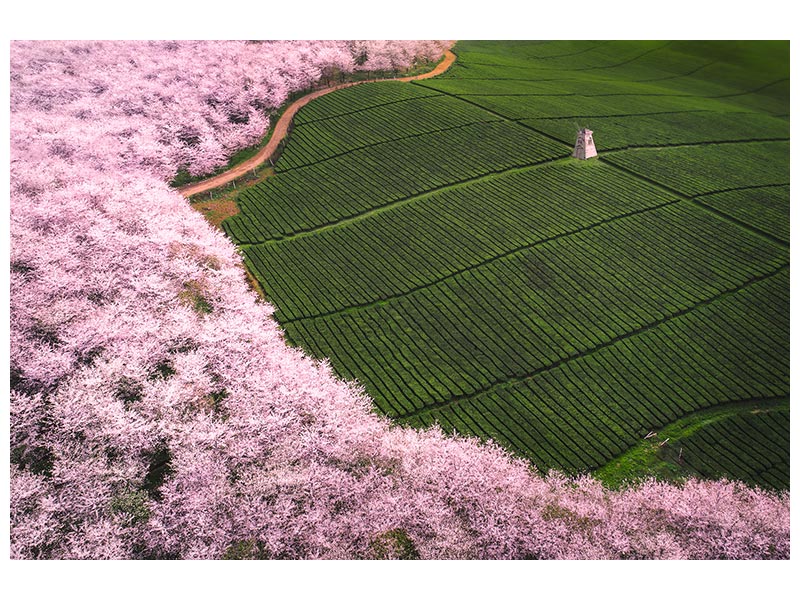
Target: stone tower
[[584, 145]]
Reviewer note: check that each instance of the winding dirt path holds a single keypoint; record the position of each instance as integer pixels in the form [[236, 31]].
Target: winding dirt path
[[282, 128]]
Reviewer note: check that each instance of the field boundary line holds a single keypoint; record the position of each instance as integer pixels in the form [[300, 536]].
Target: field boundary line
[[625, 62], [611, 342], [282, 127], [754, 91], [521, 122], [679, 75], [646, 114], [692, 144], [742, 187], [738, 221], [575, 94]]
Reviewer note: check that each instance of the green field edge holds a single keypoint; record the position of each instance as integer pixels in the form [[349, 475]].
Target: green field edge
[[520, 122], [182, 178], [648, 459], [583, 51], [502, 116]]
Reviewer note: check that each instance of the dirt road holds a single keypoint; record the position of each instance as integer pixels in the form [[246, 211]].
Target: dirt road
[[282, 128]]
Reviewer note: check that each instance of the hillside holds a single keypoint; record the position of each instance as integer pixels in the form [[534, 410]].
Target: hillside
[[436, 241]]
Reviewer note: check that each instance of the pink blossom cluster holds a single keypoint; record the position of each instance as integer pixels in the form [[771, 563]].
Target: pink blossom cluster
[[386, 55], [156, 411], [163, 106]]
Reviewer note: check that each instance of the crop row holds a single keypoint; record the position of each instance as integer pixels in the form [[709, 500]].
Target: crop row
[[665, 129], [525, 88], [461, 71], [586, 106], [417, 243], [702, 169], [357, 98], [585, 411], [570, 83], [515, 53], [766, 208], [319, 140], [530, 310], [750, 447], [362, 180]]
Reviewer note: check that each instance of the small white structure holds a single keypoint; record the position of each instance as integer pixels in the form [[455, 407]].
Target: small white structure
[[584, 145]]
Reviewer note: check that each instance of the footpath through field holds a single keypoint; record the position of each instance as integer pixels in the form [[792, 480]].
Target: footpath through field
[[282, 129]]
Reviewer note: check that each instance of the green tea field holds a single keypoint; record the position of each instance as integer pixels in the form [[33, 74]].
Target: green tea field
[[437, 242]]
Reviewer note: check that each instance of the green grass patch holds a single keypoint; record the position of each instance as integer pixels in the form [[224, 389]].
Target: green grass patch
[[661, 455]]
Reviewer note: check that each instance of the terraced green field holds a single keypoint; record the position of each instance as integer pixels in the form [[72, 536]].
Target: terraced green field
[[437, 243]]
